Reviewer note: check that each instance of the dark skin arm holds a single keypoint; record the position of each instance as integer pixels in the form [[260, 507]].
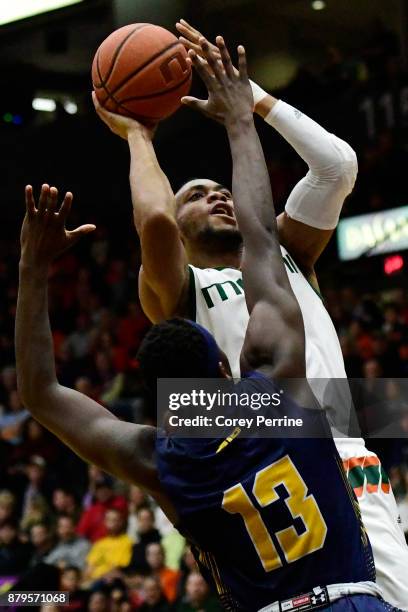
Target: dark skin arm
[[92, 432], [274, 341]]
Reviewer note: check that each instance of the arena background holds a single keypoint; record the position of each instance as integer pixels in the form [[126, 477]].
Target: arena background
[[342, 63]]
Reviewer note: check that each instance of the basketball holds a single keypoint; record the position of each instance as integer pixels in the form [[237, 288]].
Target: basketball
[[140, 71]]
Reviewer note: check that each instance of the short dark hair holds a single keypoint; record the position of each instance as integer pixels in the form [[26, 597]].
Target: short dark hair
[[172, 349], [194, 178], [185, 181]]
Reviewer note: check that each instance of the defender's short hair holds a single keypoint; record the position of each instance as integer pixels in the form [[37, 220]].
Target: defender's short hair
[[172, 349]]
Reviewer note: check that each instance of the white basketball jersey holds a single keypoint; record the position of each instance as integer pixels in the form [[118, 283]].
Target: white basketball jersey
[[221, 308], [218, 303]]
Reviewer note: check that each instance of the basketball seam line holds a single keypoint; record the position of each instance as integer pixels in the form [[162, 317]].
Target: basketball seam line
[[119, 104], [133, 115], [159, 93], [115, 55], [139, 69]]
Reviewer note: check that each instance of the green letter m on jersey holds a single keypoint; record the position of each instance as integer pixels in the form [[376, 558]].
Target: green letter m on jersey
[[222, 290]]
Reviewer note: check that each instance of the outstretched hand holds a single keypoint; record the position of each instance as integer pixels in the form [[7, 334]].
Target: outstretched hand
[[229, 91], [190, 38], [43, 234]]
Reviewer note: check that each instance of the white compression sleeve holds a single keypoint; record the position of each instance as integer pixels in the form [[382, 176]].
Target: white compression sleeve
[[318, 198], [257, 92]]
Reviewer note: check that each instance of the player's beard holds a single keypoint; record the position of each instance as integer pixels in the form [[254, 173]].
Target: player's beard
[[219, 241]]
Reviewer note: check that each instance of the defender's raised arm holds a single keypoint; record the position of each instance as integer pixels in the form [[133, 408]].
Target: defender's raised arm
[[91, 431], [275, 335]]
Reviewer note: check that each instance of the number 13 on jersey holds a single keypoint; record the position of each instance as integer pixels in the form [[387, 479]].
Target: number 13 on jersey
[[301, 505]]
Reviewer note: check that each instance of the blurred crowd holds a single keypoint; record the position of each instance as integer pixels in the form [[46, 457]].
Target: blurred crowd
[[65, 525], [107, 545]]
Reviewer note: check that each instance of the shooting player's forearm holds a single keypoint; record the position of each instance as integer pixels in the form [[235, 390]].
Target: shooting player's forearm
[[151, 191], [34, 345]]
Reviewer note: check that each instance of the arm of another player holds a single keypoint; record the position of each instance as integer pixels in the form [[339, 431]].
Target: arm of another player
[[91, 431], [314, 205], [274, 340], [163, 279]]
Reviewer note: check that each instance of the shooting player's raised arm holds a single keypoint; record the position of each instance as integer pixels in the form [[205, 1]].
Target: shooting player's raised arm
[[163, 279], [314, 205]]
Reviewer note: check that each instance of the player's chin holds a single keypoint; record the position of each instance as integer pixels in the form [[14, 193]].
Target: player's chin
[[223, 222]]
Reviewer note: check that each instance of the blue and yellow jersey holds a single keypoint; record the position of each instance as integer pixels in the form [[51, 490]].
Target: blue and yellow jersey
[[267, 518]]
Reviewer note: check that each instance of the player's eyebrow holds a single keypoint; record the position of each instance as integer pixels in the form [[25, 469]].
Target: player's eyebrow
[[217, 187]]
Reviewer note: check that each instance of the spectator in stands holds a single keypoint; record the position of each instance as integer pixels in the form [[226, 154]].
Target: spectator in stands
[[118, 597], [36, 511], [37, 441], [154, 599], [110, 552], [11, 422], [7, 506], [78, 342], [63, 502], [91, 524], [132, 327], [36, 476], [70, 582], [169, 578], [137, 499], [188, 565], [372, 369], [8, 380], [41, 538], [95, 474], [146, 534], [70, 550], [98, 602], [14, 555], [198, 596]]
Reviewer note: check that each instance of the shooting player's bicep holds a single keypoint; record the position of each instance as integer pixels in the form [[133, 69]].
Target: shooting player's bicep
[[304, 242]]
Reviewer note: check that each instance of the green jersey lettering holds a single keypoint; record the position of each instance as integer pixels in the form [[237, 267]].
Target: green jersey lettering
[[221, 291], [237, 285]]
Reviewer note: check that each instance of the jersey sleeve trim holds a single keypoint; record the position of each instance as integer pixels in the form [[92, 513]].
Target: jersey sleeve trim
[[192, 301], [317, 292]]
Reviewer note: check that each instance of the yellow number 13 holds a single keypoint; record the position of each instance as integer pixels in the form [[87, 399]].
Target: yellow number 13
[[301, 505]]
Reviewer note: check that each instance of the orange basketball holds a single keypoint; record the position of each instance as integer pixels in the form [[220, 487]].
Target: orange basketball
[[141, 71]]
